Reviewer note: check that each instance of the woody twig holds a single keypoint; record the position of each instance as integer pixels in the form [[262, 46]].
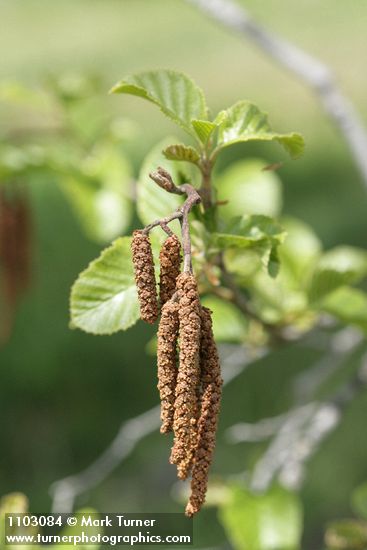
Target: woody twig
[[162, 178]]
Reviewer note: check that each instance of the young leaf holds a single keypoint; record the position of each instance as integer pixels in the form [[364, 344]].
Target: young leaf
[[181, 152], [341, 266], [270, 521], [104, 298], [245, 122], [249, 231], [258, 233], [174, 93], [203, 129]]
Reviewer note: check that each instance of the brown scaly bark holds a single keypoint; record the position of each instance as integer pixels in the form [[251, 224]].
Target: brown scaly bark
[[170, 261], [211, 381], [186, 401], [145, 276], [167, 362]]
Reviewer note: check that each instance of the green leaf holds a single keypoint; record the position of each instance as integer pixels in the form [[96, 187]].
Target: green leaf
[[256, 232], [271, 521], [245, 122], [249, 190], [347, 534], [244, 262], [347, 304], [228, 323], [300, 251], [182, 152], [359, 500], [249, 231], [341, 266], [204, 129], [153, 202], [100, 194], [104, 298], [174, 93]]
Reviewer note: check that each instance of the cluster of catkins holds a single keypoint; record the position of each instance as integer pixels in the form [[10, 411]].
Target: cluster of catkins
[[189, 378]]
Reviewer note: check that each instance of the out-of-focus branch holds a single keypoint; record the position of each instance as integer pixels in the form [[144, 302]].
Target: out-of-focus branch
[[344, 341], [64, 492], [301, 434], [258, 431], [304, 66], [298, 433]]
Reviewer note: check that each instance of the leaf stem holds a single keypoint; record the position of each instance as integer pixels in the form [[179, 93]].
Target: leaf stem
[[205, 190]]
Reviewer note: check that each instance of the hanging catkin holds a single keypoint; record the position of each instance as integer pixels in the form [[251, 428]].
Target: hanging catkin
[[186, 395], [144, 276], [167, 362], [170, 260], [211, 381]]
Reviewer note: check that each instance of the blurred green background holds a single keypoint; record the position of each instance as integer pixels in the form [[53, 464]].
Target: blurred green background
[[64, 394]]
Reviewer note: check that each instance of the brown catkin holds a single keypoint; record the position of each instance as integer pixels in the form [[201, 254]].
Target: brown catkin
[[167, 362], [144, 276], [186, 395], [170, 261], [211, 381]]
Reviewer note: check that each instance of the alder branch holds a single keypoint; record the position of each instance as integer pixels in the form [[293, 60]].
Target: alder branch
[[65, 491], [301, 434], [246, 432], [303, 428], [342, 343], [304, 66], [164, 180], [305, 386]]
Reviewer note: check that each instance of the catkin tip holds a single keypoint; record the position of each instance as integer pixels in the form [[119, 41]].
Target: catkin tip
[[211, 389]]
